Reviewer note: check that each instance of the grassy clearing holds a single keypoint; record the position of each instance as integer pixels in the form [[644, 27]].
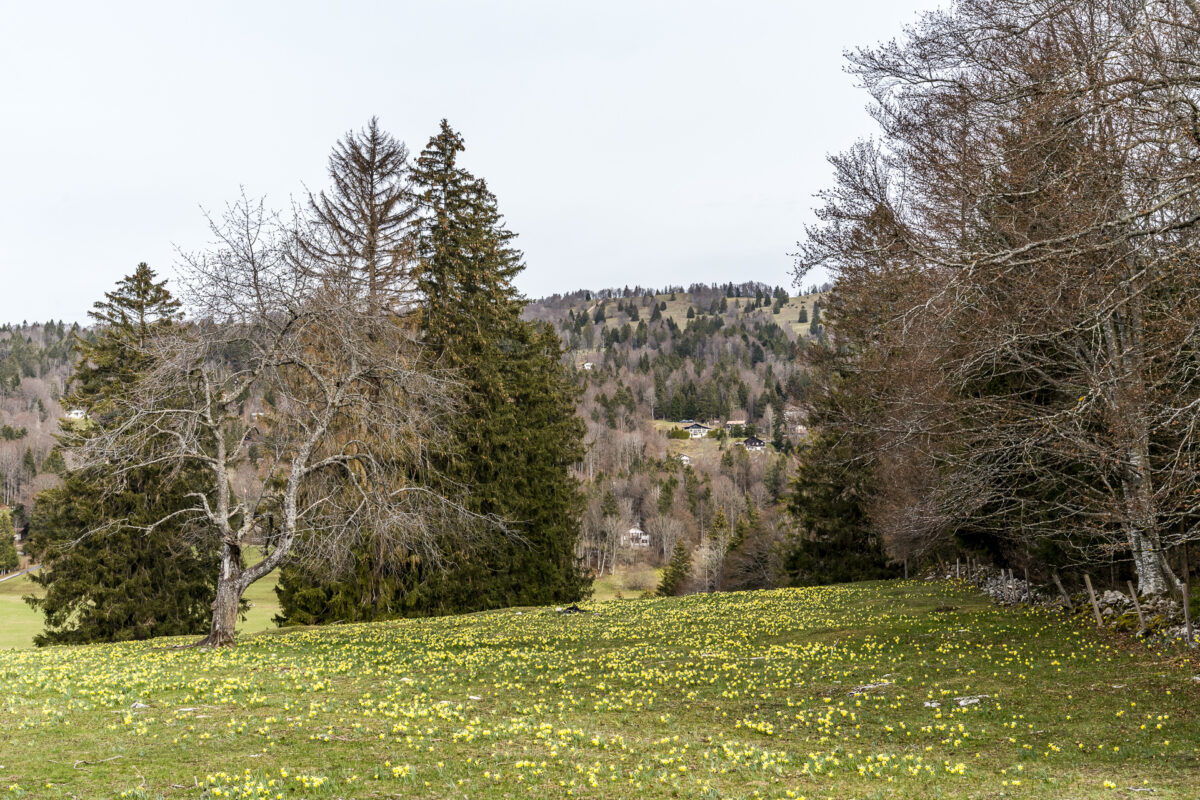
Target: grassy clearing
[[705, 447], [630, 581], [19, 623], [787, 317], [896, 689], [676, 310]]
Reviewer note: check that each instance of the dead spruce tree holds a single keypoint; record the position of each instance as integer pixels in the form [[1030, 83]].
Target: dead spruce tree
[[1026, 228], [357, 234], [347, 414]]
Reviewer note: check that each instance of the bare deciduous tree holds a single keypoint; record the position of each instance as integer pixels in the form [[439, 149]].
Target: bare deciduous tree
[[350, 416], [1019, 283]]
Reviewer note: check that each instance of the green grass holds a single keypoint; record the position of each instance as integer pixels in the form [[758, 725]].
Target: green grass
[[676, 310], [834, 692], [704, 447], [19, 622], [629, 582], [264, 605]]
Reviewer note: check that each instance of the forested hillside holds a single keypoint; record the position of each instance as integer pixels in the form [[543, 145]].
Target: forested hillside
[[732, 357], [35, 361]]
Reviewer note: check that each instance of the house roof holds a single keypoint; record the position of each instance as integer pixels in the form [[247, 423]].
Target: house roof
[[695, 426], [754, 441]]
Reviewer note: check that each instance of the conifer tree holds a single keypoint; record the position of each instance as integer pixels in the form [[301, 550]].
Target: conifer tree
[[8, 547], [678, 571], [512, 445], [117, 581], [834, 542], [719, 528], [518, 436], [359, 231]]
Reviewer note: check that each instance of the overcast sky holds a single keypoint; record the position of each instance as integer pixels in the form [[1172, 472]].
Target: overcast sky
[[628, 142]]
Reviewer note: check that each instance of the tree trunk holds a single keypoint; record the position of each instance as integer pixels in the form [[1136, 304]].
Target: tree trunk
[[1141, 527], [225, 605]]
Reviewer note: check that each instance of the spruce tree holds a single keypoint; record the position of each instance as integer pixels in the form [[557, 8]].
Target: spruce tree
[[8, 546], [512, 443], [833, 542], [105, 578], [678, 571], [359, 230], [518, 435]]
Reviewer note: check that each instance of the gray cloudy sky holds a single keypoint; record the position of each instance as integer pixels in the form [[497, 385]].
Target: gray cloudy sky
[[628, 142]]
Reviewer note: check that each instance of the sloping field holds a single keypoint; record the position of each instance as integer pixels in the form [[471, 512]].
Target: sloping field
[[896, 689]]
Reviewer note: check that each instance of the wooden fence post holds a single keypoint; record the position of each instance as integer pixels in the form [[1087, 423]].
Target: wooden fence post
[[1137, 604], [1187, 600], [1187, 613], [1092, 594], [1066, 597]]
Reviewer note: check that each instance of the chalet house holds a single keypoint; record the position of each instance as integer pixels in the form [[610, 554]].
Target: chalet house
[[734, 423], [685, 459], [697, 431], [636, 537], [754, 444], [588, 365], [76, 413]]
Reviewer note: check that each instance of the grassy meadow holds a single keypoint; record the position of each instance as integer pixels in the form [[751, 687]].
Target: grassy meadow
[[676, 310], [787, 317], [628, 582], [19, 623], [881, 690], [704, 447]]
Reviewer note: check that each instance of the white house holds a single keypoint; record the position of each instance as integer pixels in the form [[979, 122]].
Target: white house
[[588, 365], [76, 413], [636, 537], [685, 459], [697, 431]]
